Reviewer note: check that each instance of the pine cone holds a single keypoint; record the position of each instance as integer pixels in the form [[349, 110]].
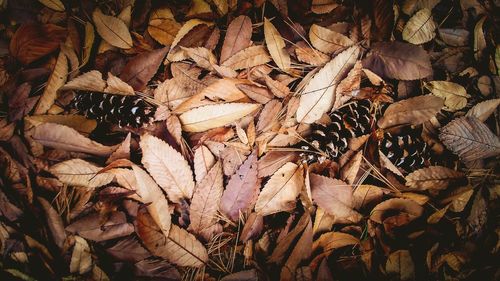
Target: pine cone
[[407, 152], [331, 141], [130, 111]]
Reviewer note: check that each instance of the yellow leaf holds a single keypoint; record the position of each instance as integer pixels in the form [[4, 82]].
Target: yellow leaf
[[276, 46], [56, 81], [113, 30], [212, 116]]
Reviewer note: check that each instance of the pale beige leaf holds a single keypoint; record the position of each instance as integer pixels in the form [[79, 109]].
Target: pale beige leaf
[[433, 178], [206, 198], [484, 109], [335, 197], [66, 138], [454, 95], [212, 116], [180, 247], [78, 172], [318, 95], [112, 29], [203, 161], [247, 58], [203, 57], [328, 41], [55, 5], [56, 81], [413, 111], [89, 81], [151, 195], [167, 166], [81, 261], [280, 192], [117, 86], [470, 139], [323, 6], [420, 28], [276, 46]]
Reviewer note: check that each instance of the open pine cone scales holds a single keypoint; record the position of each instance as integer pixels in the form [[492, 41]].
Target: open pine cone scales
[[122, 110]]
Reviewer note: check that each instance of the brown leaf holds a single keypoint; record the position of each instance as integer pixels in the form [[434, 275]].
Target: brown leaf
[[247, 58], [206, 198], [167, 166], [57, 80], [180, 247], [241, 190], [55, 223], [328, 41], [238, 37], [470, 139], [66, 138], [413, 111], [391, 60], [112, 29], [33, 41], [433, 178], [335, 197], [139, 70], [318, 95], [280, 192], [93, 227], [78, 172], [400, 265], [276, 46], [406, 206]]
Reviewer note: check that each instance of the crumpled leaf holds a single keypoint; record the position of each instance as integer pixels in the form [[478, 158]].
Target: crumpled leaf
[[413, 111], [112, 29], [470, 139], [276, 46], [78, 172], [420, 28]]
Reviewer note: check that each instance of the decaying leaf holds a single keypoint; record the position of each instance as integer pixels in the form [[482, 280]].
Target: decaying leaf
[[281, 190], [470, 139]]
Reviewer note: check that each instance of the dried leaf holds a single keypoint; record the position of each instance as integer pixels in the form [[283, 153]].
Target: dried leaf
[[484, 109], [33, 41], [280, 192], [247, 58], [328, 41], [242, 190], [433, 178], [335, 197], [413, 111], [470, 139], [454, 95], [276, 46], [420, 28], [206, 198], [169, 169], [78, 172], [81, 261], [238, 37], [180, 247], [391, 60], [56, 81], [212, 116], [319, 94], [112, 29], [66, 138]]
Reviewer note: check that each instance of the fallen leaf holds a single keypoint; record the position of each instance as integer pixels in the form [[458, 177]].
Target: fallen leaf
[[212, 116], [33, 41], [56, 81], [276, 46], [112, 29], [470, 139], [206, 198], [280, 192], [413, 111], [180, 247], [328, 41], [238, 37], [66, 138], [168, 167], [391, 60], [77, 172], [318, 95], [420, 28], [241, 190]]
